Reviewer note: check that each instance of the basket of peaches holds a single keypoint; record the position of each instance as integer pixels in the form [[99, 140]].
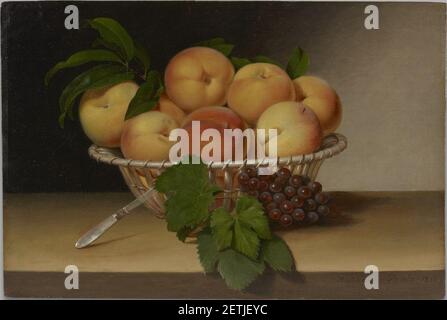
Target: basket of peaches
[[133, 114]]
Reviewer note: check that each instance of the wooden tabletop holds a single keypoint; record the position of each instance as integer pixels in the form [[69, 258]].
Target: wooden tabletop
[[402, 233]]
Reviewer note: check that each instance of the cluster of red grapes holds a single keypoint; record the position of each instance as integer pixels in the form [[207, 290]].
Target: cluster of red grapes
[[286, 198]]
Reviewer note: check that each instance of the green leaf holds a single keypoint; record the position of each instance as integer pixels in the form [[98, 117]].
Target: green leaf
[[222, 228], [94, 78], [183, 233], [80, 58], [146, 97], [238, 63], [276, 253], [245, 241], [113, 32], [207, 251], [254, 217], [100, 42], [218, 44], [143, 57], [265, 59], [298, 63], [189, 194], [237, 270]]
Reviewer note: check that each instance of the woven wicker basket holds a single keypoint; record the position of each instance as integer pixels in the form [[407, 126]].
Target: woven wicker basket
[[140, 175]]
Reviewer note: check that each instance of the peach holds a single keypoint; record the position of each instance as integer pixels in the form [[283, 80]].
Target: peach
[[299, 131], [222, 115], [102, 112], [256, 87], [146, 136], [219, 118], [322, 99], [166, 105], [198, 77]]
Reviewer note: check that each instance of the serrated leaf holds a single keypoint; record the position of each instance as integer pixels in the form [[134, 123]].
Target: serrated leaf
[[298, 63], [189, 193], [143, 57], [218, 44], [277, 254], [221, 223], [94, 78], [187, 208], [113, 32], [237, 270], [239, 62], [247, 202], [265, 59], [147, 96], [256, 219], [80, 58], [207, 251], [245, 240], [183, 233]]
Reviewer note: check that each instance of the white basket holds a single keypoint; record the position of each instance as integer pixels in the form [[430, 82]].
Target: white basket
[[140, 175]]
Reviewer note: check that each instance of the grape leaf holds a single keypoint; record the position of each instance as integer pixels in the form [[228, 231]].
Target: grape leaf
[[298, 63], [146, 97], [94, 78], [237, 270], [218, 44], [207, 251], [222, 225], [80, 58], [189, 194], [251, 215], [113, 32], [277, 255], [245, 240]]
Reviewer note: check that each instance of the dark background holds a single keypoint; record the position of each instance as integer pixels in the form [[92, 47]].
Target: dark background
[[38, 156]]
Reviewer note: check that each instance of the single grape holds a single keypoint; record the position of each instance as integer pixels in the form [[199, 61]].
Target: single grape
[[289, 191], [263, 185], [267, 177], [306, 180], [275, 214], [315, 187], [304, 192], [243, 178], [270, 206], [310, 205], [252, 172], [280, 181], [279, 197], [312, 217], [323, 210], [299, 215], [253, 183], [275, 187], [283, 173], [297, 201], [322, 198], [253, 193], [265, 197], [296, 181], [286, 206], [286, 220]]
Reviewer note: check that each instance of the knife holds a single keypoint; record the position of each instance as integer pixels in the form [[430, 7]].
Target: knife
[[93, 234]]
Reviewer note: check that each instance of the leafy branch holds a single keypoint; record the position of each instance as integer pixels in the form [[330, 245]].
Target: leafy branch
[[297, 64], [121, 59], [237, 244]]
